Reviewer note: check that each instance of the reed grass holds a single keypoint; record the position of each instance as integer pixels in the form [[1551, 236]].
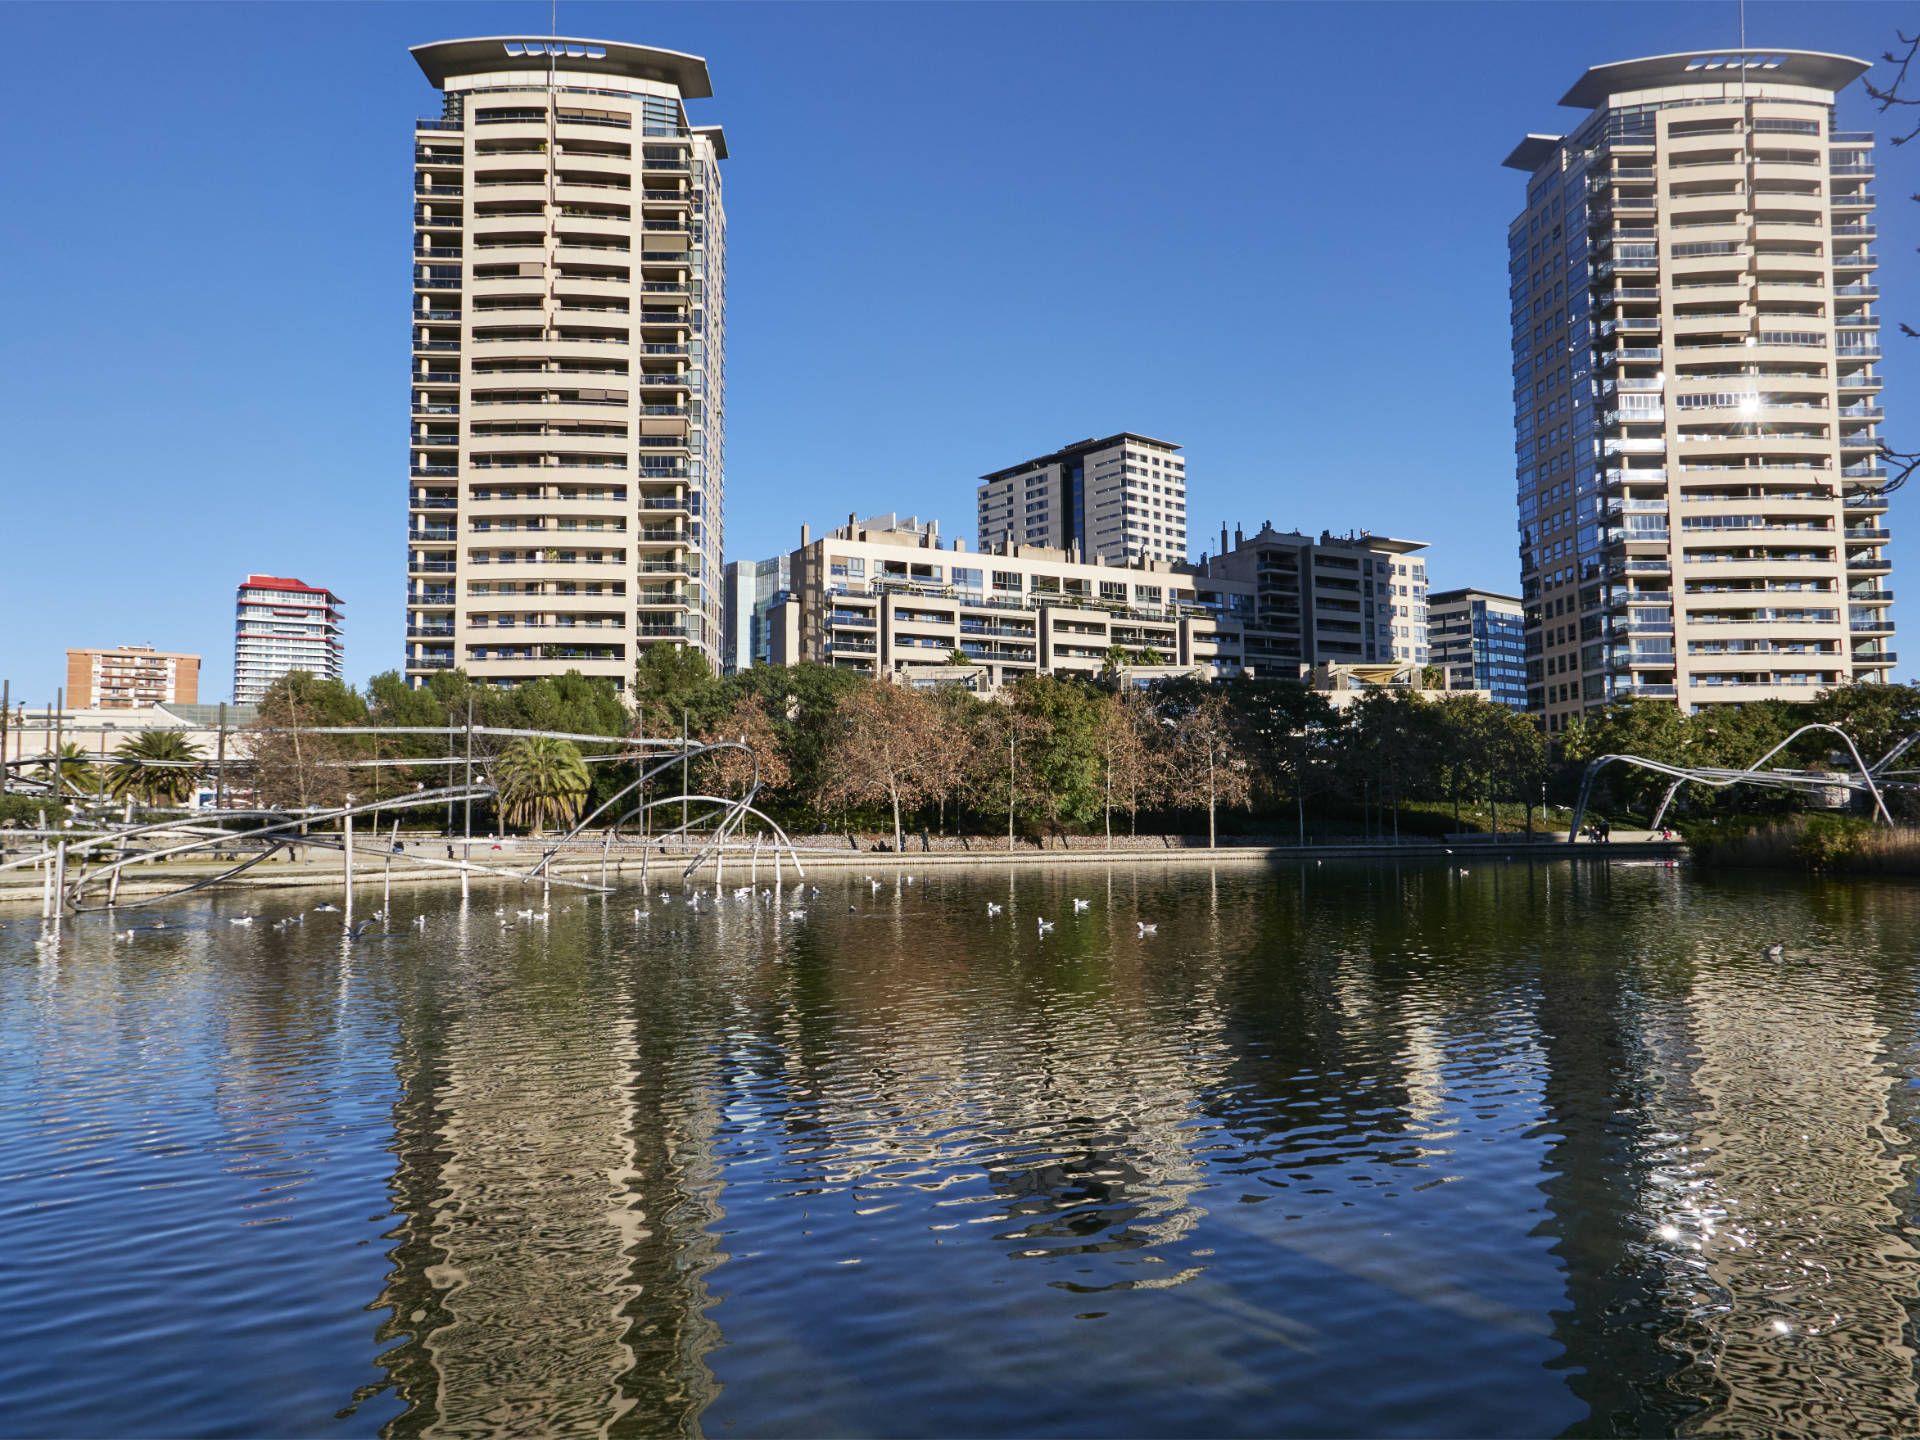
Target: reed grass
[[1827, 844]]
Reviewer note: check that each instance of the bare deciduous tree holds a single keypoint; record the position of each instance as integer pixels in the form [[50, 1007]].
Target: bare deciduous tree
[[1210, 765], [1132, 768], [731, 771], [887, 751]]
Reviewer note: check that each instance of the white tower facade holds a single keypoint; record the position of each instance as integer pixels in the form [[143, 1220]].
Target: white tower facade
[[567, 488]]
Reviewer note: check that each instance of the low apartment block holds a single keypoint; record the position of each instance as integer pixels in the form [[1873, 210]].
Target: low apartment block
[[1479, 638], [1352, 599], [1118, 499], [880, 599], [130, 677]]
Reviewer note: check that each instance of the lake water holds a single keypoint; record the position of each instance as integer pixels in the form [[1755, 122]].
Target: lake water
[[1338, 1150]]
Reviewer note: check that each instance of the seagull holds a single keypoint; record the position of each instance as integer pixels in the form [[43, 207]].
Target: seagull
[[1774, 952], [501, 911], [1045, 925], [1146, 929], [1080, 905], [323, 908], [420, 922], [743, 890], [358, 930], [379, 914], [119, 936], [640, 915], [813, 889], [796, 914], [242, 920], [992, 909]]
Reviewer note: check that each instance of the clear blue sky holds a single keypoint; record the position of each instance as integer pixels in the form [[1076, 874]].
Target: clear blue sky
[[960, 235]]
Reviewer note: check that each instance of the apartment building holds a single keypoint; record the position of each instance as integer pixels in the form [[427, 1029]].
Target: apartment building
[[1696, 399], [568, 474], [1478, 639], [882, 600], [750, 589], [130, 677], [1118, 499], [1346, 599], [281, 625]]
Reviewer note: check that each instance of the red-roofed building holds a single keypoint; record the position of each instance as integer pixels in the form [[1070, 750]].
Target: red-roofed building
[[282, 625]]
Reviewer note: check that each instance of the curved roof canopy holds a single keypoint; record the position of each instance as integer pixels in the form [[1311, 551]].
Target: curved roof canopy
[[687, 73], [1815, 68]]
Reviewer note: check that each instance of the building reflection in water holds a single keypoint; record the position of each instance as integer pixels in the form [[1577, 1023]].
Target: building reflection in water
[[1714, 1179], [1728, 1184], [555, 1202]]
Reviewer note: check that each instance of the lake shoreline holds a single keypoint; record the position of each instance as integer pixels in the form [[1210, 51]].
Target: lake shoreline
[[23, 888]]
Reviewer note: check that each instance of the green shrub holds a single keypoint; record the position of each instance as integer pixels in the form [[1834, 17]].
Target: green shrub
[[24, 810], [1827, 842]]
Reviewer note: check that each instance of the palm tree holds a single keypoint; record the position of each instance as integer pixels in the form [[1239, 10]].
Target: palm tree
[[540, 779], [78, 773], [156, 766]]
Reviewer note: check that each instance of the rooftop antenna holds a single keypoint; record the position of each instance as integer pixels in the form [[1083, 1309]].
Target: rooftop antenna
[[1743, 55]]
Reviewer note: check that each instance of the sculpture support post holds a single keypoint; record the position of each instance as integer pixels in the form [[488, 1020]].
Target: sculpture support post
[[346, 822]]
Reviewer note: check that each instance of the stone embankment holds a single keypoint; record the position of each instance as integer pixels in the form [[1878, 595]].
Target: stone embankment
[[821, 855]]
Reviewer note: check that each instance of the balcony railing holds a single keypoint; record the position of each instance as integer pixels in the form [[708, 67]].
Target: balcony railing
[[430, 471]]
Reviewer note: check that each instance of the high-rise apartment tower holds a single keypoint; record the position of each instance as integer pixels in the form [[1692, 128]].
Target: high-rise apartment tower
[[1118, 499], [281, 625], [569, 361], [1696, 406]]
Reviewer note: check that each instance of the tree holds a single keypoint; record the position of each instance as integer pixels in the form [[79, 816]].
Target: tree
[[539, 779], [291, 765], [1061, 749], [675, 680], [1210, 764], [1515, 757], [1651, 729], [886, 750], [731, 771], [801, 704], [1290, 730], [998, 778], [1877, 717], [156, 767], [1393, 744], [1130, 755], [78, 774]]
